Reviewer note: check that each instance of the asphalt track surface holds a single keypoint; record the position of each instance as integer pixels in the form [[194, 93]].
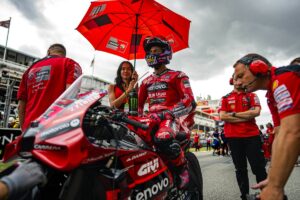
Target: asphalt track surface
[[219, 181]]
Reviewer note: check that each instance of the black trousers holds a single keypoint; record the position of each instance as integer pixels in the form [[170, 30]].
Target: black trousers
[[247, 148]]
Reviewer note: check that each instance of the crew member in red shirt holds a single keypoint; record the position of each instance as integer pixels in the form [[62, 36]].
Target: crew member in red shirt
[[238, 110], [271, 134], [43, 82], [170, 97], [254, 72], [196, 141]]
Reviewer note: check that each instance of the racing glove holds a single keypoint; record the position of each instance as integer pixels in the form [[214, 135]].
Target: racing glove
[[24, 178], [164, 115]]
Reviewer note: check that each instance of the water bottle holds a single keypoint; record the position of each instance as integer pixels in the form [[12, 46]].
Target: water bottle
[[133, 102]]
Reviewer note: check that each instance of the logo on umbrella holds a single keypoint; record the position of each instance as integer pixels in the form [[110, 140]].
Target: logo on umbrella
[[116, 44], [97, 10]]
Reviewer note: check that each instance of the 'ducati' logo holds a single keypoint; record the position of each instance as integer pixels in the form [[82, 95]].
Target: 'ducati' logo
[[151, 166], [116, 44], [98, 9]]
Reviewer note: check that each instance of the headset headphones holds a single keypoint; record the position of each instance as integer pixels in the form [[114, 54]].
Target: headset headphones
[[258, 65], [231, 81]]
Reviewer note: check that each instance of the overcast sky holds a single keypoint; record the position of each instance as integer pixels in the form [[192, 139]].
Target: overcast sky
[[221, 32]]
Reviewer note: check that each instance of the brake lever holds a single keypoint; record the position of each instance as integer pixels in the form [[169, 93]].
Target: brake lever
[[117, 116]]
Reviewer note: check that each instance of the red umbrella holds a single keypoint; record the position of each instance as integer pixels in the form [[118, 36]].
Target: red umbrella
[[120, 26]]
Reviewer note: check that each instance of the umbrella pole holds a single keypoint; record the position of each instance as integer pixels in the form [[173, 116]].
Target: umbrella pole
[[135, 38]]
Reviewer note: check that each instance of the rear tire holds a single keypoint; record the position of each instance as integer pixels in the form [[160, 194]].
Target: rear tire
[[196, 180]]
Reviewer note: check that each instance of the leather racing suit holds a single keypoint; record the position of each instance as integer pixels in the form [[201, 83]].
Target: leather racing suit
[[169, 91]]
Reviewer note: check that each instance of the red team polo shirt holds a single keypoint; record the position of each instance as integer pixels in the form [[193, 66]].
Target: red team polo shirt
[[283, 94], [240, 102], [44, 82]]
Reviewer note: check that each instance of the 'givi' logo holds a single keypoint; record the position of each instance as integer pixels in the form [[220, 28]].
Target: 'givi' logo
[[151, 166]]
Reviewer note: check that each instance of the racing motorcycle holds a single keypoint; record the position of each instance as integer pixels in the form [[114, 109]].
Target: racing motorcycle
[[91, 151]]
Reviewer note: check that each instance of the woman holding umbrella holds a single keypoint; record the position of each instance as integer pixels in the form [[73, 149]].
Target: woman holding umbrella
[[124, 82]]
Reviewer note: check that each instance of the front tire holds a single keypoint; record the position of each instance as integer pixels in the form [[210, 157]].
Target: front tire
[[83, 184]]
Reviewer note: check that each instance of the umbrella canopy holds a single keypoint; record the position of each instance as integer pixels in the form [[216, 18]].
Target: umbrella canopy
[[120, 26]]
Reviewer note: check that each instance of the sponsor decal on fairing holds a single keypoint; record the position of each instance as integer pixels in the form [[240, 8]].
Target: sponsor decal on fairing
[[47, 147], [136, 156], [148, 167], [102, 156], [60, 128], [84, 101], [155, 189]]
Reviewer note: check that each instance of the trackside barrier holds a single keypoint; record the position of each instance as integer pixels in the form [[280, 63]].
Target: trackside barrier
[[7, 135]]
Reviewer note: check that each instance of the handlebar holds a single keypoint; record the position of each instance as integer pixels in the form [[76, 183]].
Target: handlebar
[[119, 116], [100, 115], [135, 123]]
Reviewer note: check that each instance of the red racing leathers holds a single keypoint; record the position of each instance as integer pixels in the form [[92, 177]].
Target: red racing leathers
[[171, 91]]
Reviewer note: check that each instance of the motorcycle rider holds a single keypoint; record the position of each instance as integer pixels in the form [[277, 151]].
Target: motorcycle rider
[[170, 96]]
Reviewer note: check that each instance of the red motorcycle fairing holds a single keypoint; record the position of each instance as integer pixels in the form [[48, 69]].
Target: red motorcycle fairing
[[58, 134], [147, 134], [147, 177], [78, 134], [143, 166]]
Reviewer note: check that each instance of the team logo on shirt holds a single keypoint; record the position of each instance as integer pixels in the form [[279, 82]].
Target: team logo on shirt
[[283, 98], [186, 84], [256, 100], [158, 86], [275, 85]]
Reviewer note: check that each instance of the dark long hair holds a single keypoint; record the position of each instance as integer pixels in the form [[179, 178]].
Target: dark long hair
[[118, 79], [295, 61]]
